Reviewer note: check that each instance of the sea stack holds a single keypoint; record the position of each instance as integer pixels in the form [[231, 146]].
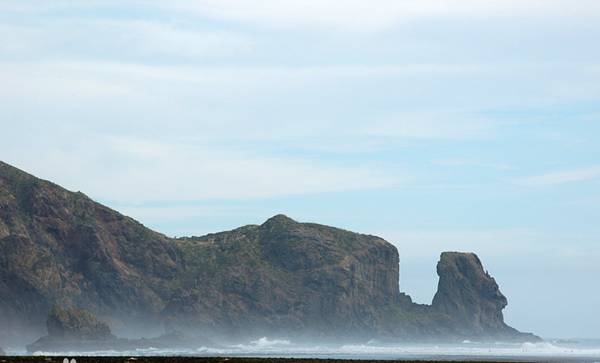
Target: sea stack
[[281, 277], [72, 327], [471, 297]]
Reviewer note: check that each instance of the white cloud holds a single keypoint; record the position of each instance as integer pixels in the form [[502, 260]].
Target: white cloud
[[561, 177], [173, 213], [161, 91], [345, 15], [156, 38], [470, 163], [136, 170], [51, 84], [49, 77], [493, 241], [292, 108], [122, 39], [438, 125], [373, 15]]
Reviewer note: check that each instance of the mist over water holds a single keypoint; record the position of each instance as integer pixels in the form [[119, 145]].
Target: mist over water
[[583, 350]]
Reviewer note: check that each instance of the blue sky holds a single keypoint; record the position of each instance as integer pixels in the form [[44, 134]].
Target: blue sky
[[459, 125]]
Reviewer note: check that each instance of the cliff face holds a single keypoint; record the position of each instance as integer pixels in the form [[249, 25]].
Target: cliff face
[[468, 293], [62, 248], [287, 275]]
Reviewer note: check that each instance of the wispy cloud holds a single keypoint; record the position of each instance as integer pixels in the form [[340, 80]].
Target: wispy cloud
[[471, 163], [374, 15], [136, 170], [438, 125], [125, 39], [244, 80], [561, 177], [492, 241]]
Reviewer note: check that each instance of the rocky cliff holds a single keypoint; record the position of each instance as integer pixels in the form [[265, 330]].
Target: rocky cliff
[[471, 298], [285, 275], [61, 248]]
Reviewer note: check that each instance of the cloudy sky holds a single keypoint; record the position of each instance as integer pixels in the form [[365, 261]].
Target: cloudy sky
[[439, 125]]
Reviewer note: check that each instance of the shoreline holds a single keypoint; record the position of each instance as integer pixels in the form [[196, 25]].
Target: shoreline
[[238, 359]]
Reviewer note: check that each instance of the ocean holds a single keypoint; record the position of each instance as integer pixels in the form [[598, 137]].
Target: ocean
[[575, 350]]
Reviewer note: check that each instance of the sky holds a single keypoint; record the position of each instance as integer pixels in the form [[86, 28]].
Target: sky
[[465, 125]]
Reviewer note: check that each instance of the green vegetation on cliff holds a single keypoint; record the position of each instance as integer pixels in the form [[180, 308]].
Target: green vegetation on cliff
[[61, 248]]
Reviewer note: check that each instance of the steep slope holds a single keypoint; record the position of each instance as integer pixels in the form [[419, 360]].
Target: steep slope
[[59, 247], [288, 275], [282, 277], [470, 297]]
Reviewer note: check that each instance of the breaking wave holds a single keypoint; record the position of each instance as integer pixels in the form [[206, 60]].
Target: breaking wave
[[266, 342], [271, 347]]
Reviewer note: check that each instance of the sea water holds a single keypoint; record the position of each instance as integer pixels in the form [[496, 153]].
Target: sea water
[[572, 350]]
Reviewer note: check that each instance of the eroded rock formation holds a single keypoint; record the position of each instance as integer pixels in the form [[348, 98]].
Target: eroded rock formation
[[76, 323], [471, 297], [285, 275], [468, 293], [73, 329], [61, 248]]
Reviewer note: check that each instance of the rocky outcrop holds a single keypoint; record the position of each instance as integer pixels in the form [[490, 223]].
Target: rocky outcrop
[[72, 328], [79, 330], [59, 248], [471, 298], [76, 323], [468, 294], [285, 275]]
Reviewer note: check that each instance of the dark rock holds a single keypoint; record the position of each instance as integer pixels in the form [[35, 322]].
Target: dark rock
[[53, 344], [468, 293], [72, 328], [76, 324], [78, 330], [284, 275], [471, 297], [59, 248]]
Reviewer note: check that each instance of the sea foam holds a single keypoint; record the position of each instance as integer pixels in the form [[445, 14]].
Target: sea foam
[[274, 347]]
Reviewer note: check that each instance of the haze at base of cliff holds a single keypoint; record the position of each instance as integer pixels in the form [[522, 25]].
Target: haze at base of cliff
[[281, 278]]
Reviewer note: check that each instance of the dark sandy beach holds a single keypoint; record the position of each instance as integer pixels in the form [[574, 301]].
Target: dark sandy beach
[[181, 359]]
